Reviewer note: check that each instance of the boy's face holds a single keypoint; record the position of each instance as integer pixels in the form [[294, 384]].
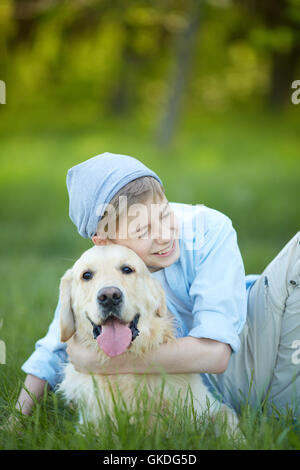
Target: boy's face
[[151, 230]]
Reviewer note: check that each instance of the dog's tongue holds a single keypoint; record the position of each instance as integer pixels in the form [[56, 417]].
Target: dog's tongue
[[115, 337]]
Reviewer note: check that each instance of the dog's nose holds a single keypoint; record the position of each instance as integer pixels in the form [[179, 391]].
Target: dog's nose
[[109, 296]]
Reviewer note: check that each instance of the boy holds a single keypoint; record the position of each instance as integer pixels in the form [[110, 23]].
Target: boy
[[229, 326]]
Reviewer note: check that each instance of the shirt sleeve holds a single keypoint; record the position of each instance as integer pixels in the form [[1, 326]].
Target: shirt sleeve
[[49, 355], [218, 291]]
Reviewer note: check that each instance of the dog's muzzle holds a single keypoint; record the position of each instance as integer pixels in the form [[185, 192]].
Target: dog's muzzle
[[114, 335], [132, 325], [110, 300]]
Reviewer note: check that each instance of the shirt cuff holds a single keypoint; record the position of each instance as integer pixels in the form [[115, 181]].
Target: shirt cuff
[[46, 366], [216, 327]]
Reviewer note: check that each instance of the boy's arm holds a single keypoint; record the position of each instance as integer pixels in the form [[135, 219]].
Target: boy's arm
[[218, 291], [36, 387], [44, 365], [183, 356]]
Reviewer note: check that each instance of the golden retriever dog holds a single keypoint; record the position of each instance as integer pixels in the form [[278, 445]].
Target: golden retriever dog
[[112, 304]]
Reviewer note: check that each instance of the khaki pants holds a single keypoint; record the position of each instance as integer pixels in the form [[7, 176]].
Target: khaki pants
[[269, 356]]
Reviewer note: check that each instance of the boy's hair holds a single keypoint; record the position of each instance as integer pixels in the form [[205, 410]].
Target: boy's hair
[[135, 191]]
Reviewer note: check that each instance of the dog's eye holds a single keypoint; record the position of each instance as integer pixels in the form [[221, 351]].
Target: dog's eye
[[126, 270], [87, 275]]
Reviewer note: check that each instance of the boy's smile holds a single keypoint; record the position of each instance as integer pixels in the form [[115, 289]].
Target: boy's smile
[[168, 251], [151, 230]]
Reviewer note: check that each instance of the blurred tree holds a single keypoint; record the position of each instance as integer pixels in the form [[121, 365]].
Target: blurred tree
[[180, 70], [277, 29], [135, 59]]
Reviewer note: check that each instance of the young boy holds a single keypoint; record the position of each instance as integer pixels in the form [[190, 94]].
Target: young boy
[[231, 328]]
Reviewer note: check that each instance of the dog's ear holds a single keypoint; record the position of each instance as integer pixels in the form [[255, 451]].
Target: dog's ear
[[161, 310], [66, 318]]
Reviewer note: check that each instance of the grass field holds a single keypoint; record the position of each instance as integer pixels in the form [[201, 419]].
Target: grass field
[[246, 168]]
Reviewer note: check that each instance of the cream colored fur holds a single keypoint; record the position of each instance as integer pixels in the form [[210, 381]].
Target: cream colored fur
[[143, 295]]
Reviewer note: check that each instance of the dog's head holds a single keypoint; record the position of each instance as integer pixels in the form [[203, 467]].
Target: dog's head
[[109, 297]]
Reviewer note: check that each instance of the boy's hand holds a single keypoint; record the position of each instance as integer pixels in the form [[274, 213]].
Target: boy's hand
[[12, 424], [86, 360], [81, 358]]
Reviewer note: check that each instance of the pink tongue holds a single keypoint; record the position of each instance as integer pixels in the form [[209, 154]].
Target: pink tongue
[[114, 338]]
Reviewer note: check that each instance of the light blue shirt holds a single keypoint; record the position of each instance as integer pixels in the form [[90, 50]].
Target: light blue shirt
[[206, 289]]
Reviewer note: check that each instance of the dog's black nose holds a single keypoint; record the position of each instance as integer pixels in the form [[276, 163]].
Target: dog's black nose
[[109, 296]]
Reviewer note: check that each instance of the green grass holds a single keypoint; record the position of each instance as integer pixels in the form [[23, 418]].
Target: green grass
[[247, 168], [54, 426]]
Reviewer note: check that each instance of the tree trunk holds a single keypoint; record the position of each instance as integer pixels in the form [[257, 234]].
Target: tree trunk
[[179, 75]]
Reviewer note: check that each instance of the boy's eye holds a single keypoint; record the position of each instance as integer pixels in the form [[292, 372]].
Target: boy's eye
[[126, 270], [165, 213], [143, 234], [87, 275]]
